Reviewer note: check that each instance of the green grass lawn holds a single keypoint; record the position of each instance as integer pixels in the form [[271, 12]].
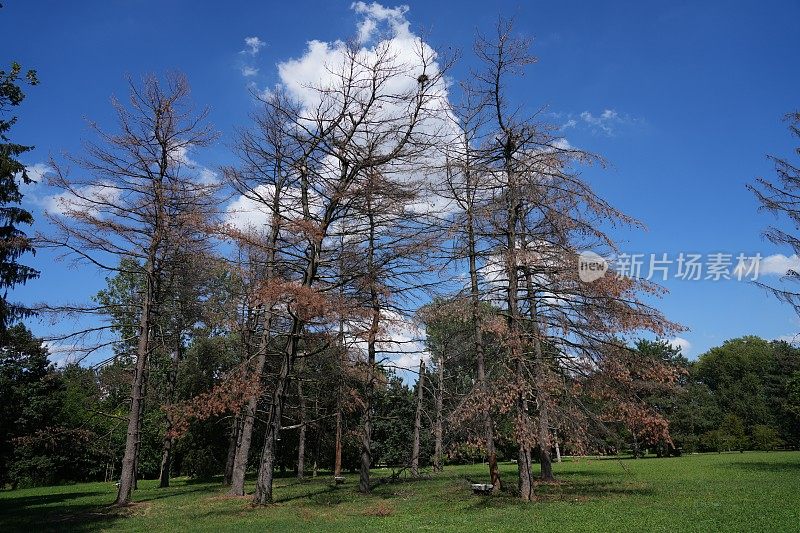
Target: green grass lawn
[[732, 492]]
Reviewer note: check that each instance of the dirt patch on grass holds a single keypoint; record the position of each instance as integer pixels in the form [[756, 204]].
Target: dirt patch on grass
[[380, 509]]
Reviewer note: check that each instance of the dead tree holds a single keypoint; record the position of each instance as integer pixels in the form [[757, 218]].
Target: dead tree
[[466, 185], [263, 178], [538, 217], [137, 198], [780, 199], [355, 126]]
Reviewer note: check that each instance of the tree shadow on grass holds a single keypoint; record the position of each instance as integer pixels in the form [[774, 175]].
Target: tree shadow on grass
[[54, 512], [332, 496], [765, 466], [565, 490], [588, 490], [323, 490], [327, 493], [572, 476], [201, 481], [167, 493]]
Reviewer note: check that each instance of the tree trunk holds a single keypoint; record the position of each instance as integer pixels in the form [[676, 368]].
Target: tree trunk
[[249, 410], [139, 430], [337, 453], [540, 378], [301, 440], [166, 462], [366, 435], [128, 474], [437, 454], [488, 427], [318, 439], [418, 420], [486, 415], [524, 462], [232, 444], [558, 449], [169, 441], [525, 477], [523, 422], [340, 389], [544, 433], [248, 418], [263, 493]]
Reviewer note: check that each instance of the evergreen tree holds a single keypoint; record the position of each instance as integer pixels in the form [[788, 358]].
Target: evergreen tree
[[13, 241], [29, 391]]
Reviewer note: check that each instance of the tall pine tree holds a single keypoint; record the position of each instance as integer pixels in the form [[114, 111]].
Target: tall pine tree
[[13, 241]]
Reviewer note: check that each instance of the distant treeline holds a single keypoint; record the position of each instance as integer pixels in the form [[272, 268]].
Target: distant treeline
[[743, 395], [68, 424]]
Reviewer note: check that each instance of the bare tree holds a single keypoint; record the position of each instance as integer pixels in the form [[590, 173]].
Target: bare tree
[[137, 199], [523, 215], [466, 185], [780, 199], [359, 124], [263, 178]]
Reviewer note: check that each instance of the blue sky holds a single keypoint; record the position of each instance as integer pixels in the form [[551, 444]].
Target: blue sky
[[683, 99]]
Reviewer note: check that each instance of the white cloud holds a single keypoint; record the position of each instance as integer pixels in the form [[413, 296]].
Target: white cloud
[[254, 45], [62, 354], [681, 344], [252, 212], [248, 214], [38, 171], [84, 199], [562, 144], [374, 14], [791, 338], [771, 265], [382, 33], [407, 345], [401, 342], [608, 122], [323, 62], [205, 176], [779, 264], [603, 123]]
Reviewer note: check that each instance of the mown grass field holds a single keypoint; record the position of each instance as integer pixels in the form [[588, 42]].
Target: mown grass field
[[753, 491]]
